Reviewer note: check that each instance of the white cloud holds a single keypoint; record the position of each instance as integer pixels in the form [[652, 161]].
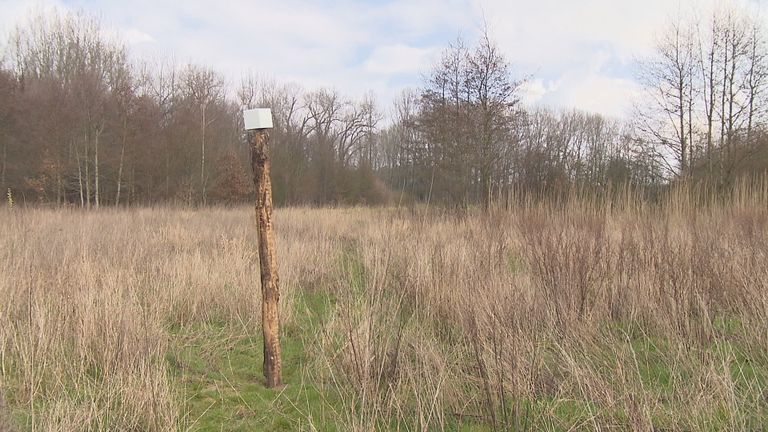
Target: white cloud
[[587, 90], [532, 91], [14, 12], [136, 37], [398, 59], [560, 31], [597, 93], [579, 53]]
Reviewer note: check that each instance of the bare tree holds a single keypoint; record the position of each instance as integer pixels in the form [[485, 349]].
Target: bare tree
[[666, 119], [205, 88], [756, 76], [8, 102], [70, 55], [709, 47], [467, 111], [248, 92], [164, 88], [124, 88], [357, 125], [493, 96]]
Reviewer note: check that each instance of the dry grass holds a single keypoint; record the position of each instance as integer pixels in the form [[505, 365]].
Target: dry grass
[[90, 301], [572, 317]]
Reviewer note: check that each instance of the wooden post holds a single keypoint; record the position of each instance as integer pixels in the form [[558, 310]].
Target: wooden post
[[270, 291]]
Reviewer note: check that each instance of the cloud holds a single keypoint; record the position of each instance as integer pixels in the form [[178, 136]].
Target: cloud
[[587, 90], [578, 53], [532, 91], [588, 85], [602, 94], [136, 37], [14, 12], [399, 59], [583, 53]]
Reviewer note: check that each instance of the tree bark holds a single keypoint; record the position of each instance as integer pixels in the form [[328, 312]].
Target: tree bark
[[268, 265], [96, 166], [485, 185], [87, 175], [79, 177], [120, 167], [5, 164], [710, 110], [202, 156], [681, 119], [754, 75]]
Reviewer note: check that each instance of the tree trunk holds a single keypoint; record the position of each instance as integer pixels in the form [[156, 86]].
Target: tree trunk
[[59, 187], [691, 148], [710, 121], [96, 167], [731, 98], [752, 85], [87, 176], [120, 167], [710, 108], [79, 177], [723, 93], [131, 186], [269, 280], [202, 157], [167, 166], [5, 165], [681, 119], [485, 185]]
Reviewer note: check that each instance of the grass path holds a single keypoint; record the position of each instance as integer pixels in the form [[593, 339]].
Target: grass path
[[219, 368]]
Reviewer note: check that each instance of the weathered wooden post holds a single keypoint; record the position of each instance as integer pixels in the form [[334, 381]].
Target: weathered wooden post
[[257, 125]]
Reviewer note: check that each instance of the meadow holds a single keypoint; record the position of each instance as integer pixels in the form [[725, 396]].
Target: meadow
[[571, 315]]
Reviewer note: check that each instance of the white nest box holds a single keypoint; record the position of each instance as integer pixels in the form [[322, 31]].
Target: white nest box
[[258, 118]]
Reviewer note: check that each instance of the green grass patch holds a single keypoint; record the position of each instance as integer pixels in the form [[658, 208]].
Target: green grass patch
[[219, 370]]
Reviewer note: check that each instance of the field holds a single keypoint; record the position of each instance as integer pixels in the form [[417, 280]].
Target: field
[[571, 316]]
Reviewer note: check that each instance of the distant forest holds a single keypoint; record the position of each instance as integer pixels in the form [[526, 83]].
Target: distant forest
[[84, 123]]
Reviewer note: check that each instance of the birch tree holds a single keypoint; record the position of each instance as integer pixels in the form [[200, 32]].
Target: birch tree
[[205, 88], [666, 119]]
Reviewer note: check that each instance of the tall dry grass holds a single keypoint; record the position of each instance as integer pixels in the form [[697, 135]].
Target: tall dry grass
[[582, 315], [90, 302], [579, 315]]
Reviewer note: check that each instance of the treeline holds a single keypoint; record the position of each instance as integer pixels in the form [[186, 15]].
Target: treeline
[[465, 139], [83, 123], [705, 110]]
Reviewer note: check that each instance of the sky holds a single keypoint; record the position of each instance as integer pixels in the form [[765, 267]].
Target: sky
[[574, 53]]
